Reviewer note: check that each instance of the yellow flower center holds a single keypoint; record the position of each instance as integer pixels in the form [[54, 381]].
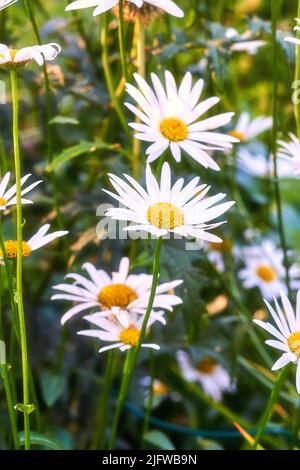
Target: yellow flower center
[[116, 295], [174, 129], [224, 247], [206, 366], [130, 335], [13, 53], [11, 248], [160, 389], [266, 273], [3, 201], [294, 343], [165, 215], [239, 135]]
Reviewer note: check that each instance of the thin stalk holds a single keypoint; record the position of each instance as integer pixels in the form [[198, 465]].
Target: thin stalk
[[270, 406], [19, 287], [274, 143], [297, 77], [133, 354], [108, 75], [121, 35]]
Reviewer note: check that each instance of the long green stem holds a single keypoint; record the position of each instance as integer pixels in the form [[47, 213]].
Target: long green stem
[[19, 293], [274, 141], [297, 77], [121, 35], [133, 354], [270, 406]]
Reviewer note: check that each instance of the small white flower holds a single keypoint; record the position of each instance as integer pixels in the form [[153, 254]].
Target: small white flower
[[291, 39], [115, 294], [19, 57], [286, 331], [248, 46], [247, 129], [164, 209], [257, 164], [290, 152], [104, 5], [160, 392], [216, 253], [6, 3], [264, 269], [170, 119], [122, 334], [8, 196], [213, 378], [41, 238]]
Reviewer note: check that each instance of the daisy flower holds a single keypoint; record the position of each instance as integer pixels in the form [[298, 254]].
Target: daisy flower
[[104, 5], [160, 392], [8, 196], [20, 57], [264, 269], [170, 119], [290, 152], [245, 45], [247, 129], [115, 294], [213, 378], [286, 331], [262, 167], [217, 252], [164, 209], [6, 3], [122, 335], [39, 239], [291, 39]]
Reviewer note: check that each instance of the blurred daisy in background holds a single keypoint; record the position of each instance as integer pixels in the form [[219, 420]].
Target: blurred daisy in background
[[6, 3], [39, 239], [264, 269], [170, 119], [293, 39], [8, 196], [247, 129], [259, 165], [290, 152], [212, 377], [115, 294], [286, 330], [160, 392], [20, 57], [102, 6], [216, 253], [243, 44], [122, 335], [165, 209]]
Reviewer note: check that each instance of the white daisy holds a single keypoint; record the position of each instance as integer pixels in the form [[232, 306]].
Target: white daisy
[[122, 335], [8, 197], [291, 39], [248, 46], [213, 378], [247, 129], [115, 293], [19, 57], [286, 331], [165, 209], [160, 392], [264, 269], [257, 164], [104, 5], [6, 3], [41, 238], [290, 152], [170, 119], [217, 252]]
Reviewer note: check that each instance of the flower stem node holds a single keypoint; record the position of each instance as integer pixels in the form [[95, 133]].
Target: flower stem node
[[26, 409]]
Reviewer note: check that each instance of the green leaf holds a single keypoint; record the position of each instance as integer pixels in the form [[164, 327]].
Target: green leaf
[[53, 387], [40, 440], [64, 120], [160, 440], [77, 150], [24, 408]]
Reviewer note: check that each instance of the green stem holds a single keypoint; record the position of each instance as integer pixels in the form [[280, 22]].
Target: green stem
[[19, 293], [108, 75], [297, 77], [133, 354], [121, 35], [274, 142], [270, 406], [149, 403]]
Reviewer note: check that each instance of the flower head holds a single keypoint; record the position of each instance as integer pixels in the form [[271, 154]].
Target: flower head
[[6, 3], [104, 5], [261, 166], [122, 335], [20, 57], [286, 331], [290, 152], [213, 378], [292, 39], [264, 269], [170, 119], [8, 196], [163, 209], [247, 129], [117, 294]]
